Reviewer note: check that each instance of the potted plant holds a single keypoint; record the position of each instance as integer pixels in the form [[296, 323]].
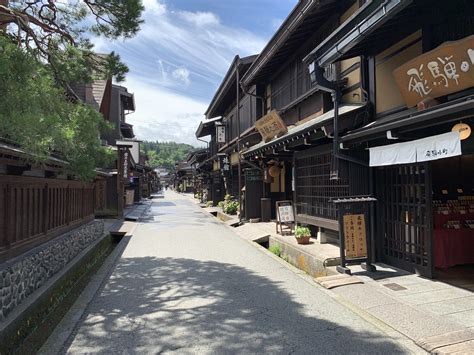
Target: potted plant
[[302, 234]]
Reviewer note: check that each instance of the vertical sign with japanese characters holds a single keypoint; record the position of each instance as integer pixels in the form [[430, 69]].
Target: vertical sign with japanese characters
[[355, 235], [446, 69], [125, 164], [220, 133], [225, 164]]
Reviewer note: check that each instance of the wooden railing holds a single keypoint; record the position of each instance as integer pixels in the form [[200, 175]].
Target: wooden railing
[[34, 210]]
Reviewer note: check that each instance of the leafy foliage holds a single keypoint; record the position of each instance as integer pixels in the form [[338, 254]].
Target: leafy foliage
[[301, 232], [275, 249], [57, 33], [37, 114], [165, 154], [229, 206]]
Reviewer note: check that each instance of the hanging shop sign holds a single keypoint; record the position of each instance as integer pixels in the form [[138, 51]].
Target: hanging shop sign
[[446, 69], [463, 129], [220, 133], [355, 235], [270, 126], [224, 163], [427, 149], [234, 158]]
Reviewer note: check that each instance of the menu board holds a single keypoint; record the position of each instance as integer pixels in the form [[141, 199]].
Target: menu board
[[355, 236], [285, 214]]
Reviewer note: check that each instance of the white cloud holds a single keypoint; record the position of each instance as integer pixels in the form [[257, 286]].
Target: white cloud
[[154, 6], [173, 47], [182, 74], [199, 18], [163, 115]]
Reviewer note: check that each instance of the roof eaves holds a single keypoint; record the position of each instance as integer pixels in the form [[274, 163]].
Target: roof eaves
[[229, 78], [289, 24]]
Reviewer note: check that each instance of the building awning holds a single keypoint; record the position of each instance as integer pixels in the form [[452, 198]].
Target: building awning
[[246, 136], [207, 127], [427, 149], [407, 120], [302, 129]]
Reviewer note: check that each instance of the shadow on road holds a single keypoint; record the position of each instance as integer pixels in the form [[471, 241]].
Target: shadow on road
[[185, 305]]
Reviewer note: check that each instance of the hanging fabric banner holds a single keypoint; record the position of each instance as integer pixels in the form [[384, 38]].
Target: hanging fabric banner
[[427, 149]]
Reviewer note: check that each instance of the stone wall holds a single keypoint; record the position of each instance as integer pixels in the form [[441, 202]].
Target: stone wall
[[20, 277]]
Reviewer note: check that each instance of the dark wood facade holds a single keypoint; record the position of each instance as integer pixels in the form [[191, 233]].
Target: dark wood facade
[[406, 229], [34, 210], [357, 44], [305, 155]]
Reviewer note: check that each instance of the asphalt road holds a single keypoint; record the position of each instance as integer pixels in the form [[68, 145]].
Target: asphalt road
[[187, 284]]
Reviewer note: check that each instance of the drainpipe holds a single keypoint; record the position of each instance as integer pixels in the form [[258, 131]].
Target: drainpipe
[[237, 114], [262, 100], [317, 77]]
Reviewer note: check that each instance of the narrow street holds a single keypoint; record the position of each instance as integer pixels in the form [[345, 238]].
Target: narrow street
[[188, 284]]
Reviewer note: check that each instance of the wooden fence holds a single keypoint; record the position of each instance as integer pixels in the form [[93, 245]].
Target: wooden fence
[[34, 210]]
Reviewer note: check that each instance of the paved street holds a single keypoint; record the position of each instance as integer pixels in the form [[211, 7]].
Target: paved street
[[187, 284]]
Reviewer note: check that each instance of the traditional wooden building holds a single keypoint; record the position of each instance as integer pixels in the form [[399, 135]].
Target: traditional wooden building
[[238, 109], [296, 149], [416, 65], [212, 178]]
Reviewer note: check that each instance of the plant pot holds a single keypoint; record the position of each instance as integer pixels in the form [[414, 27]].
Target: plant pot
[[303, 240]]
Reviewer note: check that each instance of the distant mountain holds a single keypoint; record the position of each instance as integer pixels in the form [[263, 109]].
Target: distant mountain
[[165, 154]]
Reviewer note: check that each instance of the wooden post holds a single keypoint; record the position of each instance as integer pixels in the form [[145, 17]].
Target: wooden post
[[46, 209], [68, 204], [8, 216]]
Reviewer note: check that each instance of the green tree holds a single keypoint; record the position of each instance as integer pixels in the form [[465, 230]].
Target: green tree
[[38, 113], [57, 32], [165, 154]]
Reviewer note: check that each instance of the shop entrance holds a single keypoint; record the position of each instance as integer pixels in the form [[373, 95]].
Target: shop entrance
[[426, 218], [453, 219], [405, 218]]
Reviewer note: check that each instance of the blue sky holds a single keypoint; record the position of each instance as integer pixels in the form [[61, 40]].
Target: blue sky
[[181, 54]]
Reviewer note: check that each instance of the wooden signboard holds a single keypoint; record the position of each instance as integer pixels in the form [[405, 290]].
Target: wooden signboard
[[270, 126], [446, 69], [355, 235], [220, 133], [285, 217]]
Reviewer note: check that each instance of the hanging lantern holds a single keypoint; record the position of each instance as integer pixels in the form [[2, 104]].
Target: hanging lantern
[[274, 171], [463, 129]]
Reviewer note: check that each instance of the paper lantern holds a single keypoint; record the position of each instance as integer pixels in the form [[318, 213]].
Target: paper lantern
[[463, 129]]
